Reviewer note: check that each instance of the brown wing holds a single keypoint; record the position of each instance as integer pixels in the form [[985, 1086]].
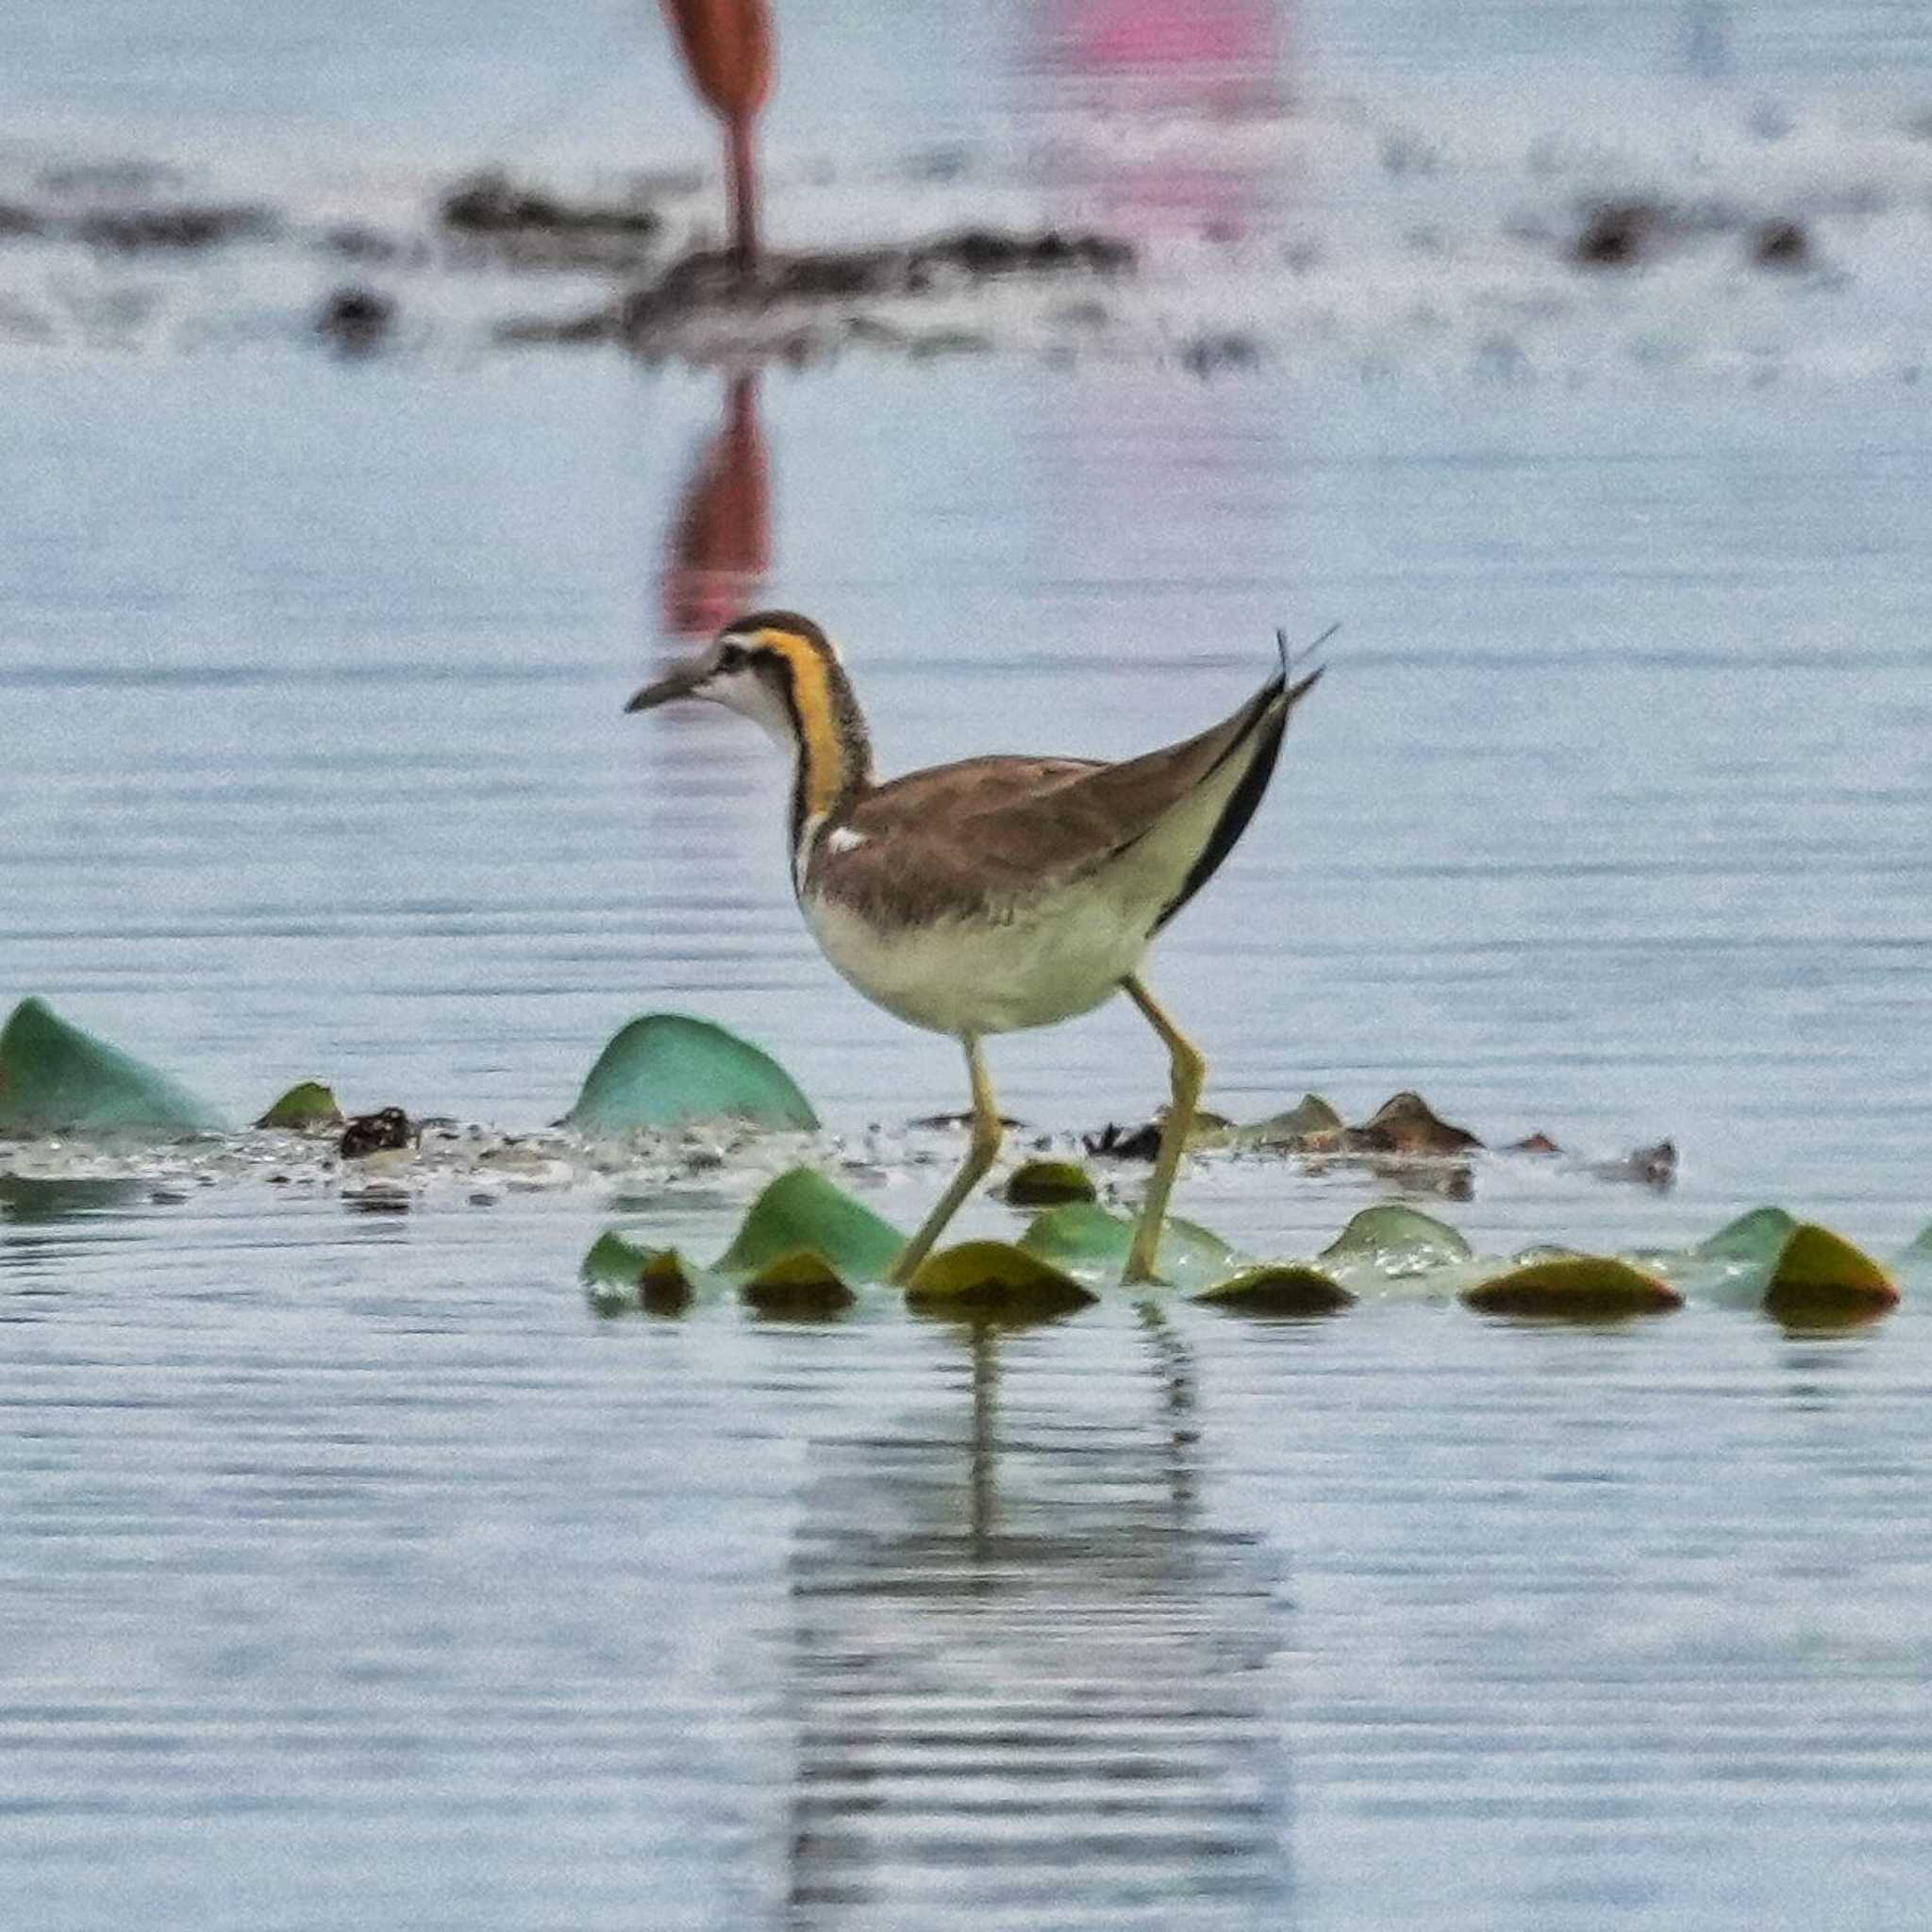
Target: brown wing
[[989, 832]]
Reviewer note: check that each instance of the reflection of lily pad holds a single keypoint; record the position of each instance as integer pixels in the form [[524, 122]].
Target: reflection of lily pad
[[55, 1076], [993, 1281], [37, 1198], [803, 1210], [1086, 1242], [1048, 1183], [1278, 1287], [309, 1104], [1575, 1288], [1396, 1238], [667, 1069]]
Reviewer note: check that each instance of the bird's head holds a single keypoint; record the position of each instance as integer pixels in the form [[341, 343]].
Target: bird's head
[[773, 666]]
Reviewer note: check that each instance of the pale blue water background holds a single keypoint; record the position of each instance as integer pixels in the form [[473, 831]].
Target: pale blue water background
[[350, 1575]]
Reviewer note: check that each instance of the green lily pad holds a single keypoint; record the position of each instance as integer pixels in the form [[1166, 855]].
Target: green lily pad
[[798, 1285], [1086, 1242], [1574, 1288], [56, 1077], [618, 1273], [1397, 1241], [1310, 1120], [667, 1069], [1048, 1183], [803, 1210], [1758, 1236], [993, 1281], [1278, 1287], [309, 1104]]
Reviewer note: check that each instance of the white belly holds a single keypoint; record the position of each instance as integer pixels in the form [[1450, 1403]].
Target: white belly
[[960, 977]]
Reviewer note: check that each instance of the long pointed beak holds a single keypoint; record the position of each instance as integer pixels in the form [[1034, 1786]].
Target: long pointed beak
[[678, 683]]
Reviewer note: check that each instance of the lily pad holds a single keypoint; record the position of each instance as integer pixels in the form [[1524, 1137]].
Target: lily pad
[[1574, 1288], [993, 1281], [1310, 1123], [1278, 1288], [1048, 1183], [667, 1069], [309, 1104], [798, 1285], [617, 1272], [56, 1077], [1758, 1236], [1396, 1239], [802, 1210], [1405, 1123], [1083, 1240], [1822, 1280]]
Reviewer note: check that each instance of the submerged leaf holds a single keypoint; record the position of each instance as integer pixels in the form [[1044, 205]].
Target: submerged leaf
[[55, 1076], [307, 1104], [667, 1069], [1575, 1288], [993, 1281], [1086, 1240], [1047, 1183], [1278, 1287], [1397, 1240], [802, 1209]]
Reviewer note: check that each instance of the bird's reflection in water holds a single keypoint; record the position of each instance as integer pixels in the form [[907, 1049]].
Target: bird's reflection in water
[[720, 541], [1031, 1681]]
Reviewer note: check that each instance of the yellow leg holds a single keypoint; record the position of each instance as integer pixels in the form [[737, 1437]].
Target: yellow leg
[[987, 1133], [1188, 1070]]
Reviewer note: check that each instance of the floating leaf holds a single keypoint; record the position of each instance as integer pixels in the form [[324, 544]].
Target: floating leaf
[[1821, 1281], [1405, 1123], [1397, 1240], [56, 1077], [667, 1069], [802, 1209], [659, 1279], [1310, 1122], [798, 1285], [1758, 1236], [1278, 1287], [1088, 1243], [1047, 1183], [993, 1281], [1577, 1288], [309, 1104]]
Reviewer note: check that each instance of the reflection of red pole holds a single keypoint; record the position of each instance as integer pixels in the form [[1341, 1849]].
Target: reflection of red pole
[[727, 50]]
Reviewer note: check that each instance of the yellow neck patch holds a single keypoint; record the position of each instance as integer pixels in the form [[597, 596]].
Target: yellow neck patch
[[822, 756]]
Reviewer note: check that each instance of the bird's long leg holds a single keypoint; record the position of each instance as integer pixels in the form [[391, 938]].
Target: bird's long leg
[[1187, 1069], [987, 1133]]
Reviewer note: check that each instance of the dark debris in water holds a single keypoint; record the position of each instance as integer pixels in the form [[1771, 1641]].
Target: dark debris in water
[[526, 227], [355, 320], [382, 1132]]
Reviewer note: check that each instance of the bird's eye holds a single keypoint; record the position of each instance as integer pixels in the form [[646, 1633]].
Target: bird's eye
[[731, 657]]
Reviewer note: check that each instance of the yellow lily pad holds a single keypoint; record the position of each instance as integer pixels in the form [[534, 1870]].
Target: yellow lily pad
[[307, 1104], [993, 1281], [1278, 1287], [1574, 1288], [1048, 1183], [1822, 1280], [798, 1285]]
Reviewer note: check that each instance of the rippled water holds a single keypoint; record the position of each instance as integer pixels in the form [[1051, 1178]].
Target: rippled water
[[352, 1573]]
